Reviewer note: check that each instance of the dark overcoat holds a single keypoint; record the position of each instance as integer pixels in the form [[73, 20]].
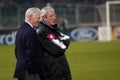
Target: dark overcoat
[[57, 67]]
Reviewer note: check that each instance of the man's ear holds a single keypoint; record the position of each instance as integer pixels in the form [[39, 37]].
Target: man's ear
[[44, 18]]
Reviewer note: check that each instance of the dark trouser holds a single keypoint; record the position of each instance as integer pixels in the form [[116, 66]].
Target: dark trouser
[[31, 77]]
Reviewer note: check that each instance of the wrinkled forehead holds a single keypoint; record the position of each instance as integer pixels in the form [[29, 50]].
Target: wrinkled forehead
[[49, 13]]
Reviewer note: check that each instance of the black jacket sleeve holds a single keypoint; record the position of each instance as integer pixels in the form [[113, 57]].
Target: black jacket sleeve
[[49, 46]]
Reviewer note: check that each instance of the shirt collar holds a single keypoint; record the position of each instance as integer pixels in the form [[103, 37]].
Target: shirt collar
[[29, 24]]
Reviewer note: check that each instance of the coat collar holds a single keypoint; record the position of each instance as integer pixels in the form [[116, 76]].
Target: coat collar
[[53, 27]]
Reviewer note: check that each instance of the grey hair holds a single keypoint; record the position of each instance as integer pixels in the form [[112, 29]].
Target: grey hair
[[45, 10], [31, 12]]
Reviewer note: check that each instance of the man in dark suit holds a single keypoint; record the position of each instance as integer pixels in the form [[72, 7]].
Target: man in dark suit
[[28, 53]]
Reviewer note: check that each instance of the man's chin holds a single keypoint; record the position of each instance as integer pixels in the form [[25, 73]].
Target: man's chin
[[53, 24], [35, 26]]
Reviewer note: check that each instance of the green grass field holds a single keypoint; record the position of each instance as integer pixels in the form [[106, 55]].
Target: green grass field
[[87, 60]]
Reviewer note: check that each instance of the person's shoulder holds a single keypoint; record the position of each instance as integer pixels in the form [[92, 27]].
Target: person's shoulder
[[25, 28], [42, 27], [42, 30], [23, 25]]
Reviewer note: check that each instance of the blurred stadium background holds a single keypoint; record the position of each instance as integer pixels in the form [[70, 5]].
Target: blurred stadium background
[[93, 26], [83, 20]]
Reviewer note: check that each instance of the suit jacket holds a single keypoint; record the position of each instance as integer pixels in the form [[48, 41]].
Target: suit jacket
[[28, 52]]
